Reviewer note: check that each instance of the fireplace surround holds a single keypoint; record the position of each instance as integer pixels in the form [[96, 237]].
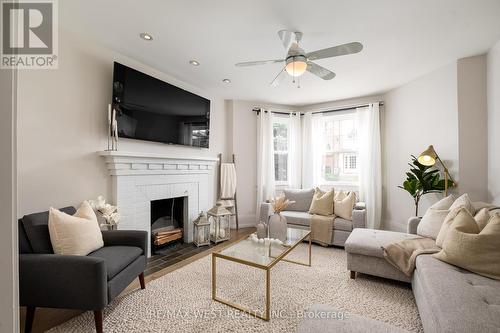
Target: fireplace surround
[[139, 178]]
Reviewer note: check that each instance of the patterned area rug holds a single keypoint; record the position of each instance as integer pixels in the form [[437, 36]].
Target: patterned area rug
[[181, 301]]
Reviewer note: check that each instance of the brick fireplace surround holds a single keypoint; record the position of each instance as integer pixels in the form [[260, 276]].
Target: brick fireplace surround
[[139, 178]]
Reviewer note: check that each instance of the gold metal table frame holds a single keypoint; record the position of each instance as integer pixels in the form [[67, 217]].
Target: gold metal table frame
[[266, 268]]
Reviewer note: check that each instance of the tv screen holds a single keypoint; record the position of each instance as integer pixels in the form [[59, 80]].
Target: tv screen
[[153, 110]]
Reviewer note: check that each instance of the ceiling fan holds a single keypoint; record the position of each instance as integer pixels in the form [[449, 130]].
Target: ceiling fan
[[297, 61]]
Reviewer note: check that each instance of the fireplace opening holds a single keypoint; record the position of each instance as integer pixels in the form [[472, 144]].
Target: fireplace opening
[[167, 223]]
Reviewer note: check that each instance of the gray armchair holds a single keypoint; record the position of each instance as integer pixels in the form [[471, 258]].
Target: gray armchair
[[76, 282]]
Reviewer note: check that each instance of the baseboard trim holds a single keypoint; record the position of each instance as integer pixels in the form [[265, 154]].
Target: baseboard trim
[[246, 221]]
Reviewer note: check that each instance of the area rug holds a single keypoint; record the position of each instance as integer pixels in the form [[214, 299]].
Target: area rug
[[181, 300]]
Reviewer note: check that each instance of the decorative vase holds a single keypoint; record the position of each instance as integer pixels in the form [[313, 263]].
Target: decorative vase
[[277, 227], [261, 230]]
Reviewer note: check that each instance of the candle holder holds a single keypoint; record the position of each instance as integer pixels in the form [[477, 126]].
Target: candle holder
[[219, 217], [201, 230]]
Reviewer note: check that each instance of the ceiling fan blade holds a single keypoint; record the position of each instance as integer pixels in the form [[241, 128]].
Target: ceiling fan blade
[[322, 72], [335, 51], [254, 63], [279, 78], [288, 37]]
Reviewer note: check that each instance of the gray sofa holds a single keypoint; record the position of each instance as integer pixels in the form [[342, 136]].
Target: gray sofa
[[297, 215], [449, 299], [76, 282]]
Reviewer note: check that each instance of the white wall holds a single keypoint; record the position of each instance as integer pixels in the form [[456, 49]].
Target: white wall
[[9, 311], [417, 114], [493, 79], [472, 127], [62, 124]]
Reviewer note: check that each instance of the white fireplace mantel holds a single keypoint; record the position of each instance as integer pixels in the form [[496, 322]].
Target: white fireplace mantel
[[139, 178]]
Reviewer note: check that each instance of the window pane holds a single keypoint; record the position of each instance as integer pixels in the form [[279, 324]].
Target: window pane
[[331, 167], [340, 158], [281, 167], [280, 132]]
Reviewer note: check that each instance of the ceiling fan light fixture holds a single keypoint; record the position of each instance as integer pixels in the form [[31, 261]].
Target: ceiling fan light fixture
[[296, 66]]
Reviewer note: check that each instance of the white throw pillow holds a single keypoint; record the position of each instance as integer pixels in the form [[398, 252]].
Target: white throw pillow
[[431, 222], [444, 203], [77, 234], [434, 217]]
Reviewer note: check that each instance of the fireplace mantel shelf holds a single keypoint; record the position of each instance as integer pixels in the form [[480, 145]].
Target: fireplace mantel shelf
[[115, 153], [134, 163]]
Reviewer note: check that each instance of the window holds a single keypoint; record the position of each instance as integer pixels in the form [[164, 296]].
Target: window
[[350, 162], [340, 154], [281, 136]]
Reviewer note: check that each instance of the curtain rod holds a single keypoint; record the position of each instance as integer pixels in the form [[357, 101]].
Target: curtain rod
[[258, 110]]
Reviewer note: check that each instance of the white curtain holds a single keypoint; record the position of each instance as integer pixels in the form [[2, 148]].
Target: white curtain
[[265, 158], [295, 151], [313, 147], [370, 169]]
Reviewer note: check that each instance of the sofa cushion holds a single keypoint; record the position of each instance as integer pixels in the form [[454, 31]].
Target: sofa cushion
[[447, 288], [369, 242], [302, 198], [298, 218], [36, 226], [342, 224], [116, 258]]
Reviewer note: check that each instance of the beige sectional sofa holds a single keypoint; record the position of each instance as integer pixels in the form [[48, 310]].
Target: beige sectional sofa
[[297, 215], [449, 299]]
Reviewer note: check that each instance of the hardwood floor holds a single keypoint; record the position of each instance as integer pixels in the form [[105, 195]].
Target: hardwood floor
[[46, 318]]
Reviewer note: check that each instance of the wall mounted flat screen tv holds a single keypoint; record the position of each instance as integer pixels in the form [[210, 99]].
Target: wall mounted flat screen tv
[[153, 110]]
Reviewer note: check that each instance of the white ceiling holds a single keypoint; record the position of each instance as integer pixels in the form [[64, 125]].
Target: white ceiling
[[402, 39]]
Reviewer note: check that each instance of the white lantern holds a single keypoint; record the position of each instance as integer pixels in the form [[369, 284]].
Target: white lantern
[[201, 230], [219, 218]]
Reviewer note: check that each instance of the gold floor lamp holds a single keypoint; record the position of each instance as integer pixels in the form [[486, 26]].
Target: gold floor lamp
[[429, 158]]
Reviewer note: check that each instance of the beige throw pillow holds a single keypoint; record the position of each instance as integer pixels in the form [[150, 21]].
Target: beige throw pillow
[[434, 217], [77, 234], [464, 201], [446, 225], [482, 217], [322, 202], [344, 204], [467, 247]]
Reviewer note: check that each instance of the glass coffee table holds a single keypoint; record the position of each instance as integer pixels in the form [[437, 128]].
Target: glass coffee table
[[259, 255]]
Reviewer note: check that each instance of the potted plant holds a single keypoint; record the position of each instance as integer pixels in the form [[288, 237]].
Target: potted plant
[[421, 180]]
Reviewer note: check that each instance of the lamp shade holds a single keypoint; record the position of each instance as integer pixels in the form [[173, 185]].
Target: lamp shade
[[428, 157]]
